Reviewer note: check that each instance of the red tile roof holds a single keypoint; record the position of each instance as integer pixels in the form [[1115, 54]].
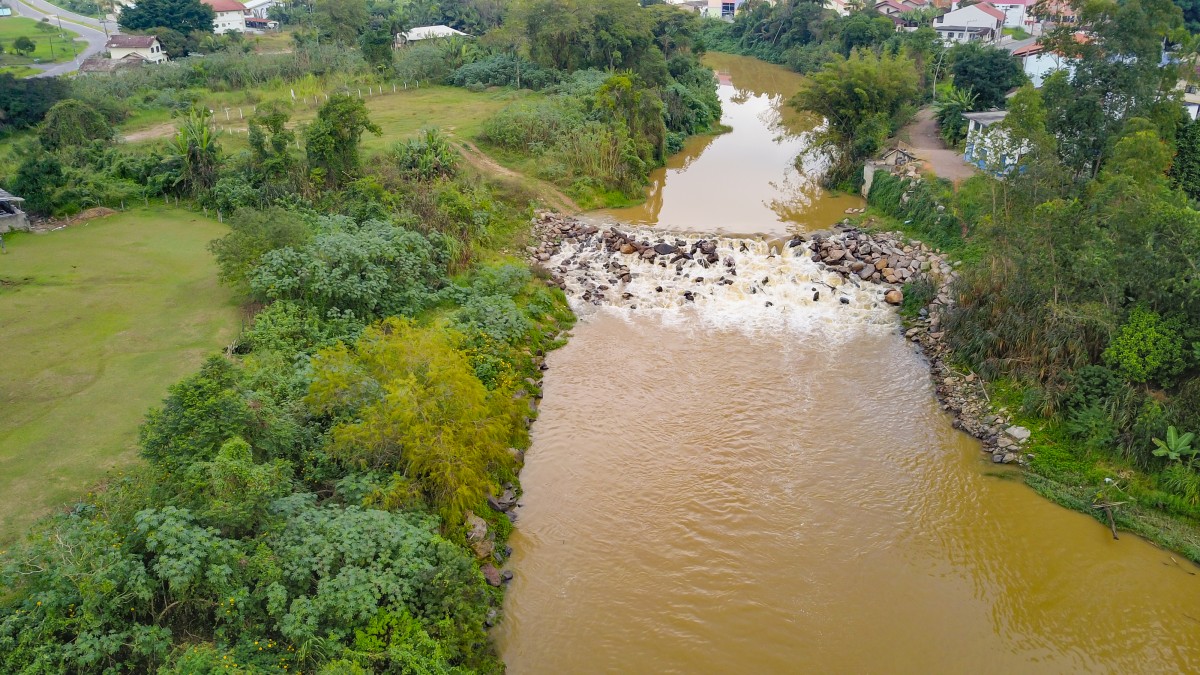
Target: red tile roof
[[225, 5], [990, 10]]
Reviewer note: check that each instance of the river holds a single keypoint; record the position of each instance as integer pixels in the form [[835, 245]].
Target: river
[[761, 482]]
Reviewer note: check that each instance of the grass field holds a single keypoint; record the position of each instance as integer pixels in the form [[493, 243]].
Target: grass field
[[97, 320], [399, 115], [50, 47]]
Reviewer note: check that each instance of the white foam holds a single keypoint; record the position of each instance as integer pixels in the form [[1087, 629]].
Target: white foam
[[775, 287]]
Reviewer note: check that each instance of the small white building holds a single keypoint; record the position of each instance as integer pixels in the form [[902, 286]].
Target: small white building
[[428, 33], [975, 23], [231, 16], [988, 144], [146, 47]]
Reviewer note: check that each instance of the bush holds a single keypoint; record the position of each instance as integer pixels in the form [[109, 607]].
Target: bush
[[533, 128], [372, 270], [426, 157], [1091, 386], [503, 70], [1148, 348], [252, 234]]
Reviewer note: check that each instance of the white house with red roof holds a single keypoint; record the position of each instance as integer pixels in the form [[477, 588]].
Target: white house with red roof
[[145, 47], [975, 23], [231, 16]]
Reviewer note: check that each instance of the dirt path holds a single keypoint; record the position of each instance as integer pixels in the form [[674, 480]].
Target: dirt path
[[552, 196], [922, 134], [164, 130]]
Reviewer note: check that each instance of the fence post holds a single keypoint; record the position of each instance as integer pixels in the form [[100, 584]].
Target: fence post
[[240, 115], [227, 114]]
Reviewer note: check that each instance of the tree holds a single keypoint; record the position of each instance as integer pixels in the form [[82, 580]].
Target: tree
[[184, 16], [370, 269], [173, 42], [24, 46], [988, 72], [195, 154], [1185, 170], [410, 403], [331, 141], [1118, 74], [252, 234], [949, 112], [24, 102], [376, 46], [272, 162], [342, 20], [865, 99], [39, 178], [73, 123]]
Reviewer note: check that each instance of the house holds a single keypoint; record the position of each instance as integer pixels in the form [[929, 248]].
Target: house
[[147, 47], [428, 33], [842, 7], [1039, 62], [98, 65], [981, 22], [1017, 14], [230, 16], [260, 8], [11, 216], [988, 144], [897, 155], [721, 9], [894, 10]]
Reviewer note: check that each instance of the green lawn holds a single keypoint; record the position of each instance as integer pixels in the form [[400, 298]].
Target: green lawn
[[50, 47], [96, 321]]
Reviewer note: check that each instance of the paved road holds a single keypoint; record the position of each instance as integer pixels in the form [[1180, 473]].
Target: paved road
[[89, 29], [927, 144]]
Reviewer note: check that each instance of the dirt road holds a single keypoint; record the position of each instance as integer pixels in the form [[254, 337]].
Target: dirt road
[[927, 144]]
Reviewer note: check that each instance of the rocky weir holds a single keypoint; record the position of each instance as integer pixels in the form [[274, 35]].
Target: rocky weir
[[830, 276]]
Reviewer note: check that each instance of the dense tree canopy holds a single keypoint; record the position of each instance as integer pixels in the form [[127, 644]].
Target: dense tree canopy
[[184, 16], [988, 72]]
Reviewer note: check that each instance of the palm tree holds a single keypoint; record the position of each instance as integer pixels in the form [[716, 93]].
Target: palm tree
[[949, 112], [194, 149]]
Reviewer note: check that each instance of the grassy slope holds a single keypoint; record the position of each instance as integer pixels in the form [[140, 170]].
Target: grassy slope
[[102, 318], [14, 27]]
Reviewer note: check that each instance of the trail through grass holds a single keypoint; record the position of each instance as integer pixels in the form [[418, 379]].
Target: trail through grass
[[97, 320]]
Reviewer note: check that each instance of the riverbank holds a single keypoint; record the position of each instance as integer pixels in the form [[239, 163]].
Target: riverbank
[[1055, 465]]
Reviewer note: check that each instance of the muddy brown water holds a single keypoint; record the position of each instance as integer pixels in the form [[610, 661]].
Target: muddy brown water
[[745, 180], [727, 487]]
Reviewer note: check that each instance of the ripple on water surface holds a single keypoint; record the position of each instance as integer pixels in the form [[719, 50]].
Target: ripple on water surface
[[703, 499]]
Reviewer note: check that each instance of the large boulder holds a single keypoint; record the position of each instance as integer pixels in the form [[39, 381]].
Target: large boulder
[[893, 297]]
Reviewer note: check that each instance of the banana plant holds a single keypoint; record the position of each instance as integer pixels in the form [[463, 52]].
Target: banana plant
[[1177, 446]]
